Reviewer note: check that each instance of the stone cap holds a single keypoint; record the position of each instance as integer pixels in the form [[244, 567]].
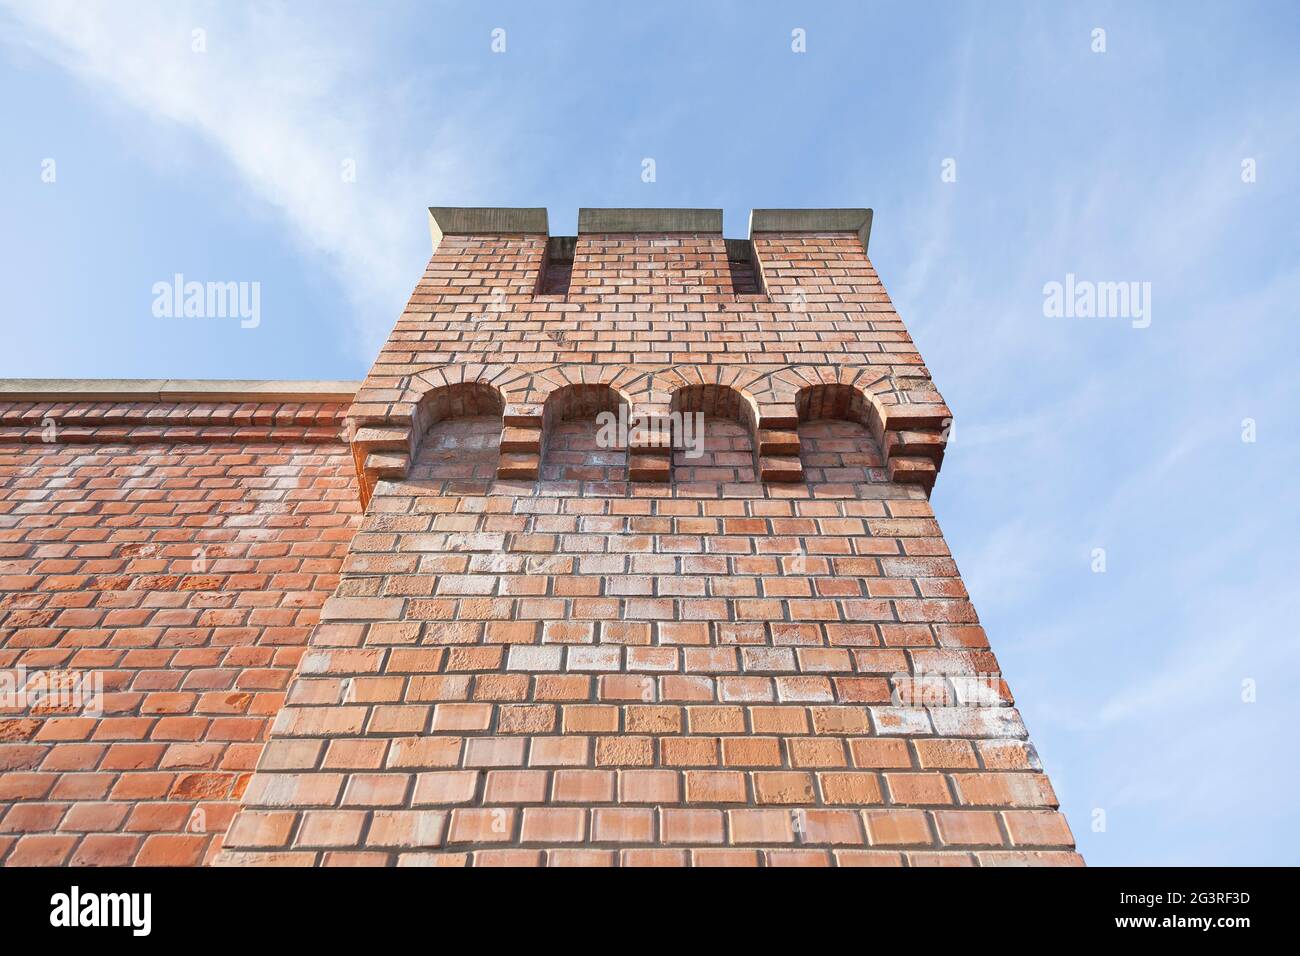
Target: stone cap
[[505, 221], [485, 221], [649, 220], [812, 220], [175, 390]]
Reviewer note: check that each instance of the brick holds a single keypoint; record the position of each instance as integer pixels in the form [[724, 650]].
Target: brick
[[583, 786], [625, 752], [260, 829], [968, 827], [494, 752], [917, 789], [1037, 828], [784, 788], [944, 754], [481, 825], [708, 786], [648, 786], [322, 828], [816, 752], [171, 849], [32, 817], [622, 825], [41, 849], [1008, 755], [761, 826], [850, 788], [445, 787], [689, 751], [406, 829], [590, 718], [424, 752], [867, 858], [1004, 789], [554, 825], [95, 816], [880, 753], [838, 827], [779, 720], [568, 752], [106, 849], [376, 789], [724, 857], [582, 858], [462, 717], [896, 827], [716, 720], [516, 786], [692, 826], [751, 752]]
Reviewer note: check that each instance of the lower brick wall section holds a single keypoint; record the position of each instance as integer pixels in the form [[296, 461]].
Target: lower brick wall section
[[714, 671], [189, 577]]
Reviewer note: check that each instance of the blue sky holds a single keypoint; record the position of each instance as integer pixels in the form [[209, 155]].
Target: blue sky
[[1071, 434]]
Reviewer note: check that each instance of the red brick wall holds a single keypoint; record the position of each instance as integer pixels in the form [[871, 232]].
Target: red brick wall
[[536, 655], [182, 554]]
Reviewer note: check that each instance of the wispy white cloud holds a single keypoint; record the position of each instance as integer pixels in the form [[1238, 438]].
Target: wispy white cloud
[[1071, 437], [286, 116]]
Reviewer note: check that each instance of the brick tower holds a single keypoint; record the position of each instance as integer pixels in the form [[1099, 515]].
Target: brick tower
[[476, 611], [548, 648]]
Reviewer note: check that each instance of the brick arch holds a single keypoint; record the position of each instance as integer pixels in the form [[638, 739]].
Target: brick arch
[[458, 430], [717, 401], [658, 392], [563, 389], [525, 391], [461, 400], [864, 392], [510, 382], [569, 426], [903, 411], [837, 400], [839, 429], [911, 434], [581, 400], [564, 384], [714, 390], [385, 442]]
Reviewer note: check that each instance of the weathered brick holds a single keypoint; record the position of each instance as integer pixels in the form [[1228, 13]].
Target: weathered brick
[[528, 642]]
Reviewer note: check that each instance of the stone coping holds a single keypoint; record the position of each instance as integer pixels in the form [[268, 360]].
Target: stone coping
[[505, 220], [812, 220], [175, 390], [649, 220], [485, 221]]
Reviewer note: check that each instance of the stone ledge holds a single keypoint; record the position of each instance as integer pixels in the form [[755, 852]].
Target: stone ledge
[[175, 390], [649, 220], [504, 220], [812, 220], [485, 221]]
